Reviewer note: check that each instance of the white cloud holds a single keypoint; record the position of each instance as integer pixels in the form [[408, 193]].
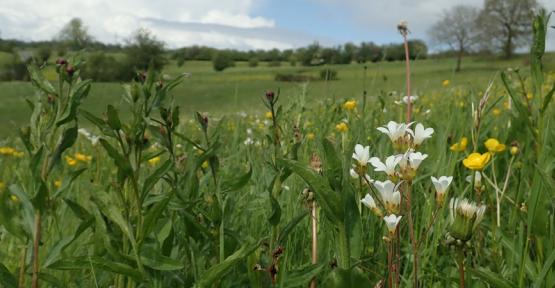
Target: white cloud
[[114, 20]]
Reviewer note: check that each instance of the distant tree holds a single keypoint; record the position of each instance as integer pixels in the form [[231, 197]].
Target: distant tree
[[369, 52], [253, 62], [43, 53], [347, 54], [222, 60], [310, 55], [75, 35], [144, 50], [457, 29], [506, 24], [418, 50]]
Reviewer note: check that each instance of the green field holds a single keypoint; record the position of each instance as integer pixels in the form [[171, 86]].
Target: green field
[[240, 88]]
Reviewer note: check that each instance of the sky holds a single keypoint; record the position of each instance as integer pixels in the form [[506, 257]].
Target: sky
[[237, 24]]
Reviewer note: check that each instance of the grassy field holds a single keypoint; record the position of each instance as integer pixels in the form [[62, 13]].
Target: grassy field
[[240, 88]]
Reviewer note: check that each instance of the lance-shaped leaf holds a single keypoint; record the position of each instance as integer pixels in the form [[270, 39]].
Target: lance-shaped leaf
[[68, 139]]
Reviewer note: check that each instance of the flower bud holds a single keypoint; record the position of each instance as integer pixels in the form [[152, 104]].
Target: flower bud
[[61, 61], [270, 95], [70, 70]]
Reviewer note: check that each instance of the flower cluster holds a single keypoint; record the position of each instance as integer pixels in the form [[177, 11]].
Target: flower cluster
[[9, 151]]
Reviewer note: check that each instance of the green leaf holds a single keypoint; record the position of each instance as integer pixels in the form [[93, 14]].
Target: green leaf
[[78, 210], [113, 118], [217, 271], [547, 267], [39, 81], [290, 226], [122, 163], [547, 99], [329, 200], [155, 177], [301, 277], [77, 95], [275, 215], [6, 278], [69, 136], [491, 278], [65, 185], [157, 261], [237, 183], [85, 263], [51, 279], [333, 168], [154, 213]]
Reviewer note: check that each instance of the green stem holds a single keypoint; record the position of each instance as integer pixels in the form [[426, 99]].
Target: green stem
[[344, 252], [461, 267]]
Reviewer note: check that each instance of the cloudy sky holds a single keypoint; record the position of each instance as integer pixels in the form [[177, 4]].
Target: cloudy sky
[[240, 24]]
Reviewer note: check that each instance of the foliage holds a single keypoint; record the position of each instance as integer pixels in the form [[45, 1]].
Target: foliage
[[221, 61]]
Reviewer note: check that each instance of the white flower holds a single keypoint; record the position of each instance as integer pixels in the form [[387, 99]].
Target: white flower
[[420, 134], [391, 197], [442, 183], [388, 167], [441, 186], [91, 137], [405, 100], [249, 131], [394, 130], [392, 221], [477, 179], [362, 155], [248, 141], [369, 202], [412, 160]]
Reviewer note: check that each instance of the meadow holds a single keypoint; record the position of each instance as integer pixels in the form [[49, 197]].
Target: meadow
[[282, 184]]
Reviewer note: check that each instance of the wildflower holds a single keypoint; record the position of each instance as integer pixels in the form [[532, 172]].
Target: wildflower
[[71, 161], [82, 157], [441, 186], [420, 134], [369, 202], [391, 197], [154, 161], [268, 115], [477, 161], [406, 99], [493, 145], [205, 164], [248, 141], [496, 112], [514, 148], [477, 180], [464, 217], [391, 222], [445, 83], [388, 167], [362, 155], [8, 151], [529, 96], [342, 127], [410, 162], [460, 146], [2, 185], [91, 137], [350, 105], [58, 183], [403, 28], [310, 136], [396, 132]]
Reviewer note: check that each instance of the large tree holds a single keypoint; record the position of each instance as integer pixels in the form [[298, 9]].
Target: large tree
[[75, 34], [457, 29], [507, 24], [144, 50]]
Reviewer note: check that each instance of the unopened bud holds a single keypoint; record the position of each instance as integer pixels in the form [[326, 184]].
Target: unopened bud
[[270, 96], [70, 70], [61, 61]]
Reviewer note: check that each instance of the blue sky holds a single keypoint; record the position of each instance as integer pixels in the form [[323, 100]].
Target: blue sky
[[238, 24]]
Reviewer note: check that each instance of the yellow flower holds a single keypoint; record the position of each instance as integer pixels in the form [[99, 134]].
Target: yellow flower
[[82, 157], [71, 161], [268, 115], [350, 105], [342, 127], [493, 145], [153, 161], [506, 105], [445, 83], [514, 150], [477, 161], [310, 136], [529, 96], [461, 104], [460, 146], [58, 183], [496, 112], [8, 151], [205, 164], [14, 198]]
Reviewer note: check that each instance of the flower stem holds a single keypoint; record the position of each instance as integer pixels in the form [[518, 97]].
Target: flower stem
[[461, 267], [407, 71], [21, 282], [412, 236], [314, 220], [36, 243]]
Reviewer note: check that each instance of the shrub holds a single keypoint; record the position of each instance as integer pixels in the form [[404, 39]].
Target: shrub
[[221, 61], [274, 63], [328, 74], [291, 77], [253, 62]]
